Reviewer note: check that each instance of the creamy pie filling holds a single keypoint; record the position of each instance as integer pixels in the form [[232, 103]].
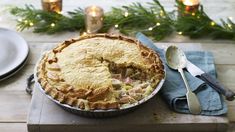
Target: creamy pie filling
[[130, 84]]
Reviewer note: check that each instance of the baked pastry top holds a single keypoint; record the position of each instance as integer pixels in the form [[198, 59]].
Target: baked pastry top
[[100, 71]]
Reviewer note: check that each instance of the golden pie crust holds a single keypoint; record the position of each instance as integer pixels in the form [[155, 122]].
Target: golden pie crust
[[100, 71]]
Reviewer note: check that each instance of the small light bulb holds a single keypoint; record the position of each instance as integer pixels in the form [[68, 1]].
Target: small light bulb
[[150, 29], [180, 33], [18, 28], [25, 21], [212, 23], [126, 14], [116, 26], [60, 12], [52, 24], [158, 24], [20, 19], [193, 14], [161, 13], [30, 24]]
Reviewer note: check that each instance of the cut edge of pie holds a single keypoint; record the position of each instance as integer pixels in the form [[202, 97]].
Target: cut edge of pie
[[100, 72]]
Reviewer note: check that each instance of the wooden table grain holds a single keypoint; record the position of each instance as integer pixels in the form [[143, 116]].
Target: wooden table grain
[[14, 102]]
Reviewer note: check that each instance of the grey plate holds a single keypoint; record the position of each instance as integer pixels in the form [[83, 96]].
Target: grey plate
[[100, 113], [14, 50]]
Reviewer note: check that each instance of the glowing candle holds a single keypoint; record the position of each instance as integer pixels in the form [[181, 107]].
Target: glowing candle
[[93, 19], [52, 5]]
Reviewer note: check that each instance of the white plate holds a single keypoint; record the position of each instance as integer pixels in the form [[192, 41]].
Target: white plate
[[13, 50], [14, 71]]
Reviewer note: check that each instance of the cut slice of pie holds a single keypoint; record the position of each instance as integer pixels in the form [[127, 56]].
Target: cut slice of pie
[[100, 71]]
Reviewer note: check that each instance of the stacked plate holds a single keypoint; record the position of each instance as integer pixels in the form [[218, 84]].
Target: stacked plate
[[14, 52]]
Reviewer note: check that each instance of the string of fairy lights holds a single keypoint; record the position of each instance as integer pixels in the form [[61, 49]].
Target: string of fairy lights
[[212, 23], [31, 24], [150, 28], [28, 22], [126, 14]]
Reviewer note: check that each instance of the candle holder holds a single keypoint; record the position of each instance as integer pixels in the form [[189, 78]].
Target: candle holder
[[189, 7], [94, 16], [52, 5]]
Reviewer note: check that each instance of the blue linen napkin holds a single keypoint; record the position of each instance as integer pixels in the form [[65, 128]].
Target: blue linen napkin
[[174, 91]]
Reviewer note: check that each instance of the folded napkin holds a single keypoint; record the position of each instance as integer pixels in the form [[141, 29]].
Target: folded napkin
[[174, 91]]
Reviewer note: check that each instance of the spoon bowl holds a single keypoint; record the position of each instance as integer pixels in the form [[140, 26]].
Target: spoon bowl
[[175, 58]]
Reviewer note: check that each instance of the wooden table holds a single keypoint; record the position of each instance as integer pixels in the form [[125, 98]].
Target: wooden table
[[14, 102]]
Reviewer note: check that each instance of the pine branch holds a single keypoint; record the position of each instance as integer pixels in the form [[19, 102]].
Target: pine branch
[[198, 24], [48, 22], [152, 20]]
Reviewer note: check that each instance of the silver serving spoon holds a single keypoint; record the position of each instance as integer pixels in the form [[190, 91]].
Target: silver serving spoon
[[177, 60]]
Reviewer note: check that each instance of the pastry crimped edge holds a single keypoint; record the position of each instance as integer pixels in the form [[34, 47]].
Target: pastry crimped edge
[[59, 96]]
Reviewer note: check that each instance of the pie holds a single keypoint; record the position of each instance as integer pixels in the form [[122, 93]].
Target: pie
[[100, 72]]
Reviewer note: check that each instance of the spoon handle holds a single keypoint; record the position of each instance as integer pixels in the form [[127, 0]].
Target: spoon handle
[[192, 100], [184, 79]]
